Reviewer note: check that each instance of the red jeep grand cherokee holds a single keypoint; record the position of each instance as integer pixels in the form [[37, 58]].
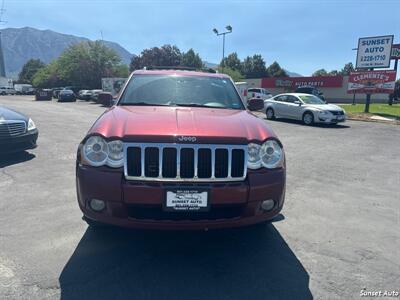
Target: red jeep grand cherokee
[[179, 150]]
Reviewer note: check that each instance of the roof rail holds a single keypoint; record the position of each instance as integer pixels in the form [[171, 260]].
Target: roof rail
[[180, 68]]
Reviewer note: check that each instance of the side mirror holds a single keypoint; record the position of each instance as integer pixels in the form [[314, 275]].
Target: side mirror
[[255, 104], [297, 102], [105, 99]]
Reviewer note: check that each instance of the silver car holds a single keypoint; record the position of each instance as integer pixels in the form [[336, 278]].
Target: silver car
[[304, 107]]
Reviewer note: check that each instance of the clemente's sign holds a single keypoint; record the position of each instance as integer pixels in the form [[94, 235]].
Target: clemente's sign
[[372, 82], [374, 52]]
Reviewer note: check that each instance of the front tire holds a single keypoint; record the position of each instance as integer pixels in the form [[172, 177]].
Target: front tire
[[270, 114], [308, 118]]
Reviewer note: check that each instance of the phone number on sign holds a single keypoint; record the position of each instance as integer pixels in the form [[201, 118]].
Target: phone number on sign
[[373, 57]]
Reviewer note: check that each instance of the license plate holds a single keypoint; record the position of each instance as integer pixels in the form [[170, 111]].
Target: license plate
[[186, 200], [340, 118]]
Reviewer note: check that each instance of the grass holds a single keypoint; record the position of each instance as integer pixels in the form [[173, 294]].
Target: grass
[[383, 110]]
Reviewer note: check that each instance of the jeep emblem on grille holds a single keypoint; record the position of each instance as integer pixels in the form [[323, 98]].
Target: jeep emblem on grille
[[187, 139]]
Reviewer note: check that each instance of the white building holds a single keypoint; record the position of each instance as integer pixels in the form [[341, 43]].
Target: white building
[[4, 81]]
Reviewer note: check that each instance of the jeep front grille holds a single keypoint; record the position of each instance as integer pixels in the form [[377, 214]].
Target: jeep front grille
[[12, 128], [185, 162]]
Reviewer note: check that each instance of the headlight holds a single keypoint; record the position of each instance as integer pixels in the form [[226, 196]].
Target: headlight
[[324, 112], [31, 125], [97, 152], [115, 154], [271, 154], [268, 155], [254, 159]]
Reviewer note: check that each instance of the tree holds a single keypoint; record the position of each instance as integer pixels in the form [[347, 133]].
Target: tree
[[254, 67], [84, 64], [121, 70], [347, 69], [234, 74], [232, 61], [334, 73], [167, 55], [29, 69], [320, 72], [275, 70], [47, 76], [191, 59], [81, 65]]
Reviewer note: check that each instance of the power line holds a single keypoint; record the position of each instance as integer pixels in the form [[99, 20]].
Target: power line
[[2, 10]]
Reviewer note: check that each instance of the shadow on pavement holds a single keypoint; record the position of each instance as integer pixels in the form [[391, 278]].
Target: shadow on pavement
[[320, 125], [15, 158], [248, 263]]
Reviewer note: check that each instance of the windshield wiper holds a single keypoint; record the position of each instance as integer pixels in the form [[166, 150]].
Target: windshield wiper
[[198, 105], [141, 104], [189, 104]]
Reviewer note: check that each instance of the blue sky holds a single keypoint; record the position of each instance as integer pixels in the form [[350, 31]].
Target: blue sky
[[301, 35]]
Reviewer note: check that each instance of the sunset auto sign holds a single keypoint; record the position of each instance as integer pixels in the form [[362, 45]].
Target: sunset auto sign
[[372, 82], [374, 52]]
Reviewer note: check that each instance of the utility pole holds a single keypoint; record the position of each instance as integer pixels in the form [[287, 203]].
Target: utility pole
[[229, 30], [2, 65], [368, 100], [392, 96]]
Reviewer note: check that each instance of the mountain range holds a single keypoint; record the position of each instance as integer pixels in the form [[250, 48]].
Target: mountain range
[[22, 44]]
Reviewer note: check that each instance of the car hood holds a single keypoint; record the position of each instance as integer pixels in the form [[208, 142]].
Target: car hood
[[166, 124], [323, 106], [9, 114]]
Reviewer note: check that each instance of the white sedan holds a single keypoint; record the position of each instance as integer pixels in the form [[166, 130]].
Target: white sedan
[[304, 107]]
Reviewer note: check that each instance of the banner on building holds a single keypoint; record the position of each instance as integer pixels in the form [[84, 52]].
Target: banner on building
[[374, 52], [292, 83], [372, 82], [395, 51]]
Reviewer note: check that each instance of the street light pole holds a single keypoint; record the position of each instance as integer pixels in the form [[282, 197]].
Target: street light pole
[[223, 47], [229, 30]]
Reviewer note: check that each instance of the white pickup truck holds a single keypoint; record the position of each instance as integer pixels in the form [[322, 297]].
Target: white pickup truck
[[6, 90]]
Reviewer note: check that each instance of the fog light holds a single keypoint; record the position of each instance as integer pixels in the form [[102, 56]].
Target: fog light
[[97, 205], [268, 204]]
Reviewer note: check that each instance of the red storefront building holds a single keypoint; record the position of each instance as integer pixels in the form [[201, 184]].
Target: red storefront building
[[333, 87]]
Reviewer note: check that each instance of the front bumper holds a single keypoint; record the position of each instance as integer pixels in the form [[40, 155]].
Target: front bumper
[[138, 204], [86, 97], [334, 119], [19, 143], [66, 98]]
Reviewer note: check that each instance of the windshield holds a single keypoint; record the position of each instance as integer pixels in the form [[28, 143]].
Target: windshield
[[172, 90], [310, 99]]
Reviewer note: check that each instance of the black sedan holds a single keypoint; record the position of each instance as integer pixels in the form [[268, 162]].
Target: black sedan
[[66, 95], [17, 131]]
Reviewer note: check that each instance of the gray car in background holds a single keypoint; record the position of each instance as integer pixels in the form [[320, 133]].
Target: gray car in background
[[304, 107]]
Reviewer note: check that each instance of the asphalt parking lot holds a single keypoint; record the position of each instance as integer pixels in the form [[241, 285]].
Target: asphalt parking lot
[[338, 232]]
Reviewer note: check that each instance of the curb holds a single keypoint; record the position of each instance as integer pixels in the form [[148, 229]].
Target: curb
[[394, 122]]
